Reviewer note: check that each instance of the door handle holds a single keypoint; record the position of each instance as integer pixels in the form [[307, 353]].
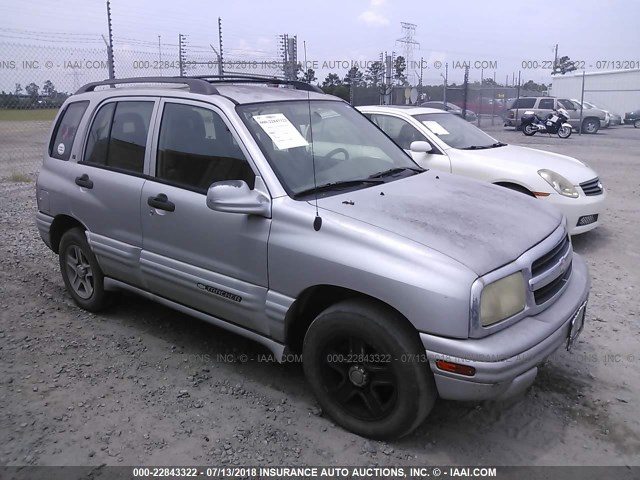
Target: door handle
[[161, 202], [84, 181]]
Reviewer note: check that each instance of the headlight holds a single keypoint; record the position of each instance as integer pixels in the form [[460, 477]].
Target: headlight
[[559, 183], [502, 299]]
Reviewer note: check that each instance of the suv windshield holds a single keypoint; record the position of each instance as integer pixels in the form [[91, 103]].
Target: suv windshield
[[348, 150], [456, 132]]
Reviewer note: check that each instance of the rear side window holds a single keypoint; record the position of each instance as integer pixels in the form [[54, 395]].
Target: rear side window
[[118, 136], [524, 103], [65, 132], [546, 104]]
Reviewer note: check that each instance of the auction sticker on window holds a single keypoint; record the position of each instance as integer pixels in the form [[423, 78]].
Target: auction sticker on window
[[281, 131], [435, 127]]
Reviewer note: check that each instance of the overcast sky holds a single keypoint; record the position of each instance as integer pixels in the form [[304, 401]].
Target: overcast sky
[[504, 32]]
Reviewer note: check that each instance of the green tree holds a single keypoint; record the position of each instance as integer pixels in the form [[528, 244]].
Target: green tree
[[32, 90], [49, 89], [308, 76], [332, 80], [399, 67], [374, 74], [353, 77]]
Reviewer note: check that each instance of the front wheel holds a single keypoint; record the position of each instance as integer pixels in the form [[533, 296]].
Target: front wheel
[[564, 132], [591, 125], [636, 123], [368, 370], [80, 271], [528, 130]]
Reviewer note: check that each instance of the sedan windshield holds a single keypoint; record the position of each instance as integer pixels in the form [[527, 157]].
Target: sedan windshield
[[456, 132], [347, 151]]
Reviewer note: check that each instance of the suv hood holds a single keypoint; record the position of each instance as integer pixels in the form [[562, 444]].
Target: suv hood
[[528, 161], [480, 225]]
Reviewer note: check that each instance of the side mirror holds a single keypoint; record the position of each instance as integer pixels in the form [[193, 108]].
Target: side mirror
[[420, 147], [235, 196]]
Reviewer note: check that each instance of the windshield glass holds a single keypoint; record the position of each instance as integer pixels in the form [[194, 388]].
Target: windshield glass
[[454, 131], [346, 146]]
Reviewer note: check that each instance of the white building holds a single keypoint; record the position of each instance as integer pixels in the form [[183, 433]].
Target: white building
[[617, 90]]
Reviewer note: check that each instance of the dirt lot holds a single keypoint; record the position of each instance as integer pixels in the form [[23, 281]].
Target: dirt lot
[[142, 384]]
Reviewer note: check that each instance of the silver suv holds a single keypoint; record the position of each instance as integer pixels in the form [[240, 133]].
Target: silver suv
[[283, 214], [592, 118]]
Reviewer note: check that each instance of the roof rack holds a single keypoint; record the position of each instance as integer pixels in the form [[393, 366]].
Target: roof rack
[[204, 84], [196, 85]]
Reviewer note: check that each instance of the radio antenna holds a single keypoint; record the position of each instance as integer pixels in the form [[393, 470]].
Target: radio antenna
[[317, 222]]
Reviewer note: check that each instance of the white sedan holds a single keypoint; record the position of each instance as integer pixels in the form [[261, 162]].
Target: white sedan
[[438, 140]]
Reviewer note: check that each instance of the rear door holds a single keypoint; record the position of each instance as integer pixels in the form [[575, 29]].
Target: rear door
[[211, 261], [108, 180]]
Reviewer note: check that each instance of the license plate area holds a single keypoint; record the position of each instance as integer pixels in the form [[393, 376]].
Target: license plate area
[[577, 324]]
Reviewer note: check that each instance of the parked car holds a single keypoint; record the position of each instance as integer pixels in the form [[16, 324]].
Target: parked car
[[463, 149], [470, 115], [484, 105], [284, 215], [592, 119], [632, 118], [586, 106], [614, 118]]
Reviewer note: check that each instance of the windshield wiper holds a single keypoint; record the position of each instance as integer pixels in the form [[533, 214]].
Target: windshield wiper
[[393, 171], [327, 187], [482, 147]]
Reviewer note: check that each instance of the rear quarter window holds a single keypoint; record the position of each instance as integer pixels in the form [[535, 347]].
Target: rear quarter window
[[524, 103], [66, 129]]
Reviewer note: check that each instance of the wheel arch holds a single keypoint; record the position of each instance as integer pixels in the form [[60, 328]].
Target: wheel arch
[[60, 225], [515, 186], [314, 300]]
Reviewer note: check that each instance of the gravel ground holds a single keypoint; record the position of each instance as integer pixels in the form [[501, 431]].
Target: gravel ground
[[142, 384]]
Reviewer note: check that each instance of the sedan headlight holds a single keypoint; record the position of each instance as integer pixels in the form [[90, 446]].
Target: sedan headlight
[[559, 183], [502, 299]]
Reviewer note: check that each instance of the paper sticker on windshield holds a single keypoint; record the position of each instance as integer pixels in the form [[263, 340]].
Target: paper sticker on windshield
[[435, 127], [61, 149], [281, 131]]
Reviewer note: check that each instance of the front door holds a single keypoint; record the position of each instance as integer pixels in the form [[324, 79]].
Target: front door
[[211, 261]]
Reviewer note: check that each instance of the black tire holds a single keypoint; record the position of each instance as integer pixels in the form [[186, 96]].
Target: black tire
[[636, 123], [85, 280], [528, 130], [382, 399], [590, 125], [564, 132]]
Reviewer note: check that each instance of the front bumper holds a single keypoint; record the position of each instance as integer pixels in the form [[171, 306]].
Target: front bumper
[[506, 362], [576, 208]]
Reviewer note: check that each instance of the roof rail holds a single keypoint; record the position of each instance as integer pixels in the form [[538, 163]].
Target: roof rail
[[204, 83], [195, 84], [248, 78]]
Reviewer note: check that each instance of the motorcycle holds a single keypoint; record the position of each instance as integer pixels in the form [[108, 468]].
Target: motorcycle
[[555, 122]]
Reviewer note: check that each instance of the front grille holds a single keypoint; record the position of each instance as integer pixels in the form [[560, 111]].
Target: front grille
[[547, 292], [592, 187], [587, 220], [550, 272]]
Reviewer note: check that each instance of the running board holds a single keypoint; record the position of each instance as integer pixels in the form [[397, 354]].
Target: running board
[[277, 349]]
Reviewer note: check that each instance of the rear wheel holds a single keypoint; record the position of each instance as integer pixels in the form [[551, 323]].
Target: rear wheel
[[564, 132], [80, 271], [528, 130], [636, 123], [367, 368], [591, 125]]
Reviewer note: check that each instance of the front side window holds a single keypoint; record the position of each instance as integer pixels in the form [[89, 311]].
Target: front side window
[[62, 140], [343, 146], [546, 104], [196, 149], [402, 132], [524, 103], [456, 132], [118, 136]]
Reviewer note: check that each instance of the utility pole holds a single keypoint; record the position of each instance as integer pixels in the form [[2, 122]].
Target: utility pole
[[446, 81], [555, 58], [388, 79], [181, 54], [112, 73], [160, 55], [408, 43], [464, 92], [220, 55]]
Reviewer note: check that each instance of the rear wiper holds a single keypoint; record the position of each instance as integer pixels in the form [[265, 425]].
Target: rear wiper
[[393, 171], [337, 186]]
